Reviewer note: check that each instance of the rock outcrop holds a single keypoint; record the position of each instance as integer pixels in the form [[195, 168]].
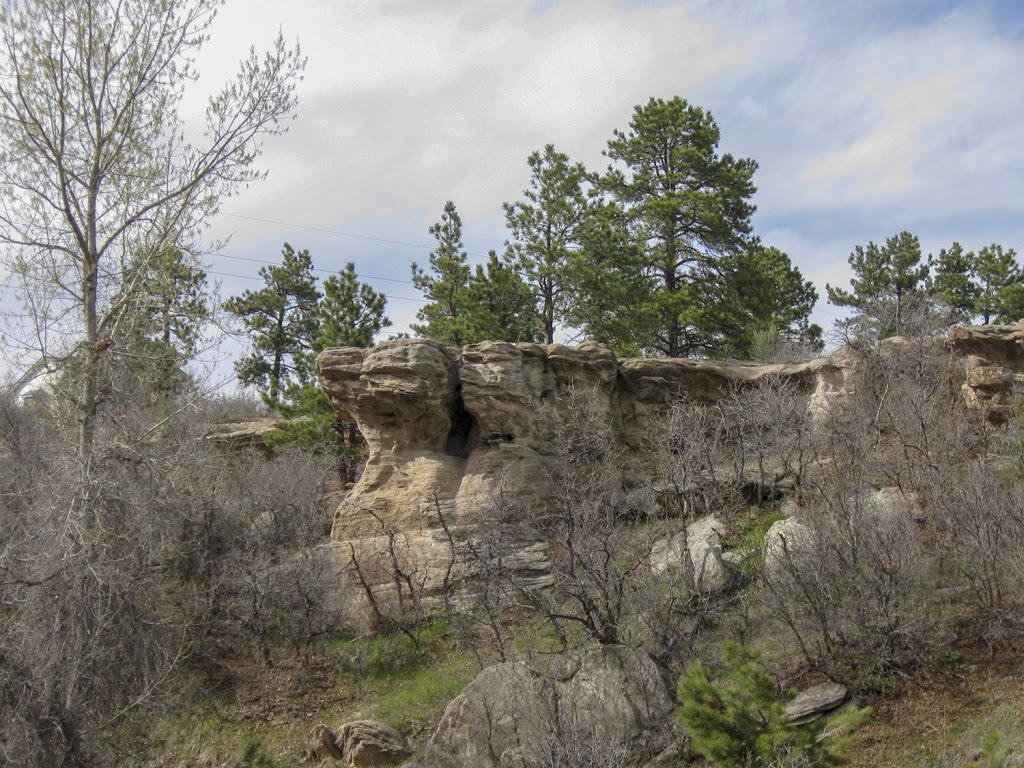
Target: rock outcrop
[[606, 701], [993, 357], [359, 744], [443, 426]]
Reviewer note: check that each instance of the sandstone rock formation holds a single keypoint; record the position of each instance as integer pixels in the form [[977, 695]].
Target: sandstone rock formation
[[444, 426], [359, 744], [993, 358], [610, 700]]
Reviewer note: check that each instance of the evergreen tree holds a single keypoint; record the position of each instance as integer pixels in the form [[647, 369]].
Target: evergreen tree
[[446, 285], [888, 287], [351, 314], [690, 209], [774, 299], [158, 332], [611, 290], [499, 305], [174, 306], [739, 719], [282, 321], [545, 227], [998, 281], [952, 281]]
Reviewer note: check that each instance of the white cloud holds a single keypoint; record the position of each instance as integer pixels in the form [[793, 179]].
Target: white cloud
[[870, 126]]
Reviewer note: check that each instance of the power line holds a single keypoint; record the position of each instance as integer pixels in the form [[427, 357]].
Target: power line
[[339, 232], [315, 269], [251, 277], [328, 231]]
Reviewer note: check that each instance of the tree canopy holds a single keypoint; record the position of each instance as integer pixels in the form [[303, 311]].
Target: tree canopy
[[282, 321], [689, 208], [96, 176], [887, 289]]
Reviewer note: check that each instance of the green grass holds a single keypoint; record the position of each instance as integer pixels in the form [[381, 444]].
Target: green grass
[[264, 719]]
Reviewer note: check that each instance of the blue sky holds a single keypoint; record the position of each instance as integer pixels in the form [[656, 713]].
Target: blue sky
[[866, 118]]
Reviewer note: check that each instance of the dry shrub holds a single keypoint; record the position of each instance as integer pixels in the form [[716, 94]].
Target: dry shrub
[[979, 516], [117, 576]]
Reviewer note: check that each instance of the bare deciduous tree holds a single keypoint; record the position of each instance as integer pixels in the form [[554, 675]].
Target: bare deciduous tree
[[97, 180]]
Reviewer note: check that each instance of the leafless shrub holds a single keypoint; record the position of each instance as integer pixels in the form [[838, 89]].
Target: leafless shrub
[[595, 558], [694, 455], [856, 590], [393, 581], [773, 431], [114, 580], [490, 562], [980, 519]]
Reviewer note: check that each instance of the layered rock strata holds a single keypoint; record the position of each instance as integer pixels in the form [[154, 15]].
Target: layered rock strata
[[448, 429]]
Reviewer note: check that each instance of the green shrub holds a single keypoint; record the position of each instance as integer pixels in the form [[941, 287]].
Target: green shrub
[[739, 719]]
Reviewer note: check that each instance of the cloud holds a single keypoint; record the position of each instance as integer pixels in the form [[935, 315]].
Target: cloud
[[866, 118]]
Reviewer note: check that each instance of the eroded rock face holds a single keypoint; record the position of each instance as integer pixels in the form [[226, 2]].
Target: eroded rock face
[[607, 699], [444, 426], [993, 358]]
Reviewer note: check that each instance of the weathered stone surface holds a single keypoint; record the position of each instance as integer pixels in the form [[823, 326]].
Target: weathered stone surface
[[244, 434], [370, 743], [817, 701], [788, 538], [712, 572], [993, 358], [608, 699], [359, 744], [443, 426]]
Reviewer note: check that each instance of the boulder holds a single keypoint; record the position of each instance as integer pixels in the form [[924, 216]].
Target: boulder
[[604, 700], [359, 744], [787, 538], [817, 701], [712, 571]]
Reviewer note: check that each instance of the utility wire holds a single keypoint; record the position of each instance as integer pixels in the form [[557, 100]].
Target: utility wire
[[315, 269], [251, 277], [338, 232]]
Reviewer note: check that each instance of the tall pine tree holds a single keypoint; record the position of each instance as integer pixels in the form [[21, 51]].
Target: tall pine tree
[[545, 227], [282, 322], [689, 207], [445, 286]]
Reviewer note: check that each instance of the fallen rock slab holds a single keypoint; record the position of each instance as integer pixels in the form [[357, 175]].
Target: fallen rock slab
[[815, 702]]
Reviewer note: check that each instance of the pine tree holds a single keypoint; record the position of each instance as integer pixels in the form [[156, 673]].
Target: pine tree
[[445, 286], [888, 287], [545, 227], [772, 298], [998, 279], [952, 281], [739, 719], [612, 294], [690, 209], [350, 314], [499, 305], [282, 321]]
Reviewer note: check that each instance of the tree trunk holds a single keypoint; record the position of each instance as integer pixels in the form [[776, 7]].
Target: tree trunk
[[91, 370]]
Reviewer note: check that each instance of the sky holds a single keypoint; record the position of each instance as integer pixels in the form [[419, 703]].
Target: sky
[[866, 117]]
